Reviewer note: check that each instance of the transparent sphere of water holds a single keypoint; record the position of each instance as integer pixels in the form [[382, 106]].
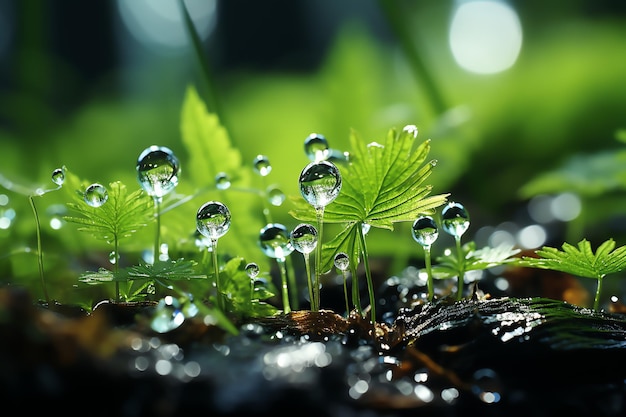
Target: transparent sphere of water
[[304, 238], [252, 269], [316, 147], [168, 315], [222, 181], [320, 183], [274, 241], [342, 261], [213, 220], [425, 231], [262, 165], [158, 170], [275, 195], [454, 219], [58, 176], [96, 195]]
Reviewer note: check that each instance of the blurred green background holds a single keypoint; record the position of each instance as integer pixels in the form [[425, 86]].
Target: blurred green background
[[506, 91]]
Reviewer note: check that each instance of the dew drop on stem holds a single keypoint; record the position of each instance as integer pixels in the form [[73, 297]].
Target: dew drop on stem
[[320, 183], [213, 220], [454, 219], [425, 231], [316, 147], [157, 171], [252, 270], [95, 195], [304, 238], [58, 176], [222, 181], [274, 242], [262, 165]]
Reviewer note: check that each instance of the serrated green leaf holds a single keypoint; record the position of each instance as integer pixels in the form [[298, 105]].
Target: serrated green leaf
[[448, 265], [161, 271]]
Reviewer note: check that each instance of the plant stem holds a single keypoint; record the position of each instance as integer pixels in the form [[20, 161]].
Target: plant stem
[[461, 271], [596, 300], [216, 271], [368, 275], [39, 249], [157, 239], [116, 267], [319, 213], [345, 291], [431, 290], [283, 275], [291, 277], [356, 296], [307, 267]]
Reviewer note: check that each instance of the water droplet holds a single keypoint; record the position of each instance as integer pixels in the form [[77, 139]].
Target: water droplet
[[316, 147], [410, 129], [304, 238], [342, 261], [157, 171], [454, 219], [262, 165], [113, 257], [213, 220], [96, 195], [222, 181], [58, 176], [252, 269], [365, 228], [274, 241], [320, 183], [167, 316], [425, 231], [275, 196]]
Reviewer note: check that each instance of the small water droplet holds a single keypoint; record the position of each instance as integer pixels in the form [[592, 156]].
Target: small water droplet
[[167, 316], [304, 238], [316, 147], [252, 269], [213, 220], [365, 228], [222, 181], [275, 196], [58, 176], [342, 261], [411, 130], [320, 183], [96, 195], [425, 231], [113, 257], [274, 241], [262, 165], [455, 219], [157, 171]]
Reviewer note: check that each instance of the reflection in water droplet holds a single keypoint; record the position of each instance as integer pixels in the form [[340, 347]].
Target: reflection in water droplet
[[58, 176], [274, 241], [275, 196], [320, 183], [342, 262], [113, 257], [455, 219], [304, 238], [213, 220], [410, 129], [262, 165], [425, 231], [96, 195], [252, 269], [316, 147], [222, 181], [157, 171], [167, 316]]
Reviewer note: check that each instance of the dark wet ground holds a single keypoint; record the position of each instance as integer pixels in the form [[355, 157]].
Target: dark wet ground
[[482, 357]]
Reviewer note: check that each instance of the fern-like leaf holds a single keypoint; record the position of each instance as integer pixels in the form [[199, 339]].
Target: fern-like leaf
[[448, 265]]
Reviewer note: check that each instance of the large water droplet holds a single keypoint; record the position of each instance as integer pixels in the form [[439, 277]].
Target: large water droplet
[[455, 219], [316, 147], [262, 165], [158, 170], [425, 231], [167, 316], [96, 195], [213, 220], [304, 238], [320, 183], [58, 176], [342, 261], [252, 269], [275, 195], [222, 181], [274, 241]]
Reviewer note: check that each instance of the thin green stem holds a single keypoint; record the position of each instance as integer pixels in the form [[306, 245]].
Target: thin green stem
[[319, 213], [356, 296], [461, 258], [285, 288], [216, 271], [345, 291], [429, 273], [116, 261], [368, 276], [39, 249], [596, 300], [291, 278], [307, 267], [157, 238]]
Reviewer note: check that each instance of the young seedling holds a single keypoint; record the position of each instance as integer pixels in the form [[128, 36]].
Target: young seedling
[[213, 221], [274, 242], [342, 263], [425, 232], [455, 221], [304, 239]]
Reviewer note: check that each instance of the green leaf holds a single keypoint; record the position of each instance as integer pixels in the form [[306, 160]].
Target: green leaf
[[162, 271], [580, 260], [120, 217], [383, 184], [448, 265]]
